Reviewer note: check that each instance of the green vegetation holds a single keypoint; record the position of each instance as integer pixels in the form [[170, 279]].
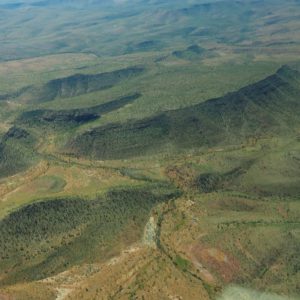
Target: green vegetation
[[182, 115], [101, 27], [17, 151], [74, 85], [190, 53], [181, 263], [72, 117], [36, 238], [50, 184], [231, 119]]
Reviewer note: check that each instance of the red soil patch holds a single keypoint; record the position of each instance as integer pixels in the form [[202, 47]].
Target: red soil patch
[[283, 212], [214, 259], [182, 176], [6, 297]]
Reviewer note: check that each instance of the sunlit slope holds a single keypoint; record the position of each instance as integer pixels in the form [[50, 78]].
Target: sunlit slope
[[264, 109], [44, 238]]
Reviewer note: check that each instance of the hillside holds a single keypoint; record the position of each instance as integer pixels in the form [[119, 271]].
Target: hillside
[[72, 86], [17, 151], [267, 108]]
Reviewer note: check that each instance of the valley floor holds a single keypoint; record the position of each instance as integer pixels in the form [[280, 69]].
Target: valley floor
[[191, 246]]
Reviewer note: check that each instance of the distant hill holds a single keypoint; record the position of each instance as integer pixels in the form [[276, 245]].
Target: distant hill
[[73, 85]]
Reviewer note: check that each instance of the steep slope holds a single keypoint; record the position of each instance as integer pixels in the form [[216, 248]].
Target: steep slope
[[74, 85], [18, 146], [266, 108], [72, 117]]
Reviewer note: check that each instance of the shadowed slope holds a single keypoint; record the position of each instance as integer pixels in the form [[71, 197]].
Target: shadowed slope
[[71, 117], [17, 151], [75, 85]]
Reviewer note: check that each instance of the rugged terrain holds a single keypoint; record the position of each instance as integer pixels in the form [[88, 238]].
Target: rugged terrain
[[150, 150]]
